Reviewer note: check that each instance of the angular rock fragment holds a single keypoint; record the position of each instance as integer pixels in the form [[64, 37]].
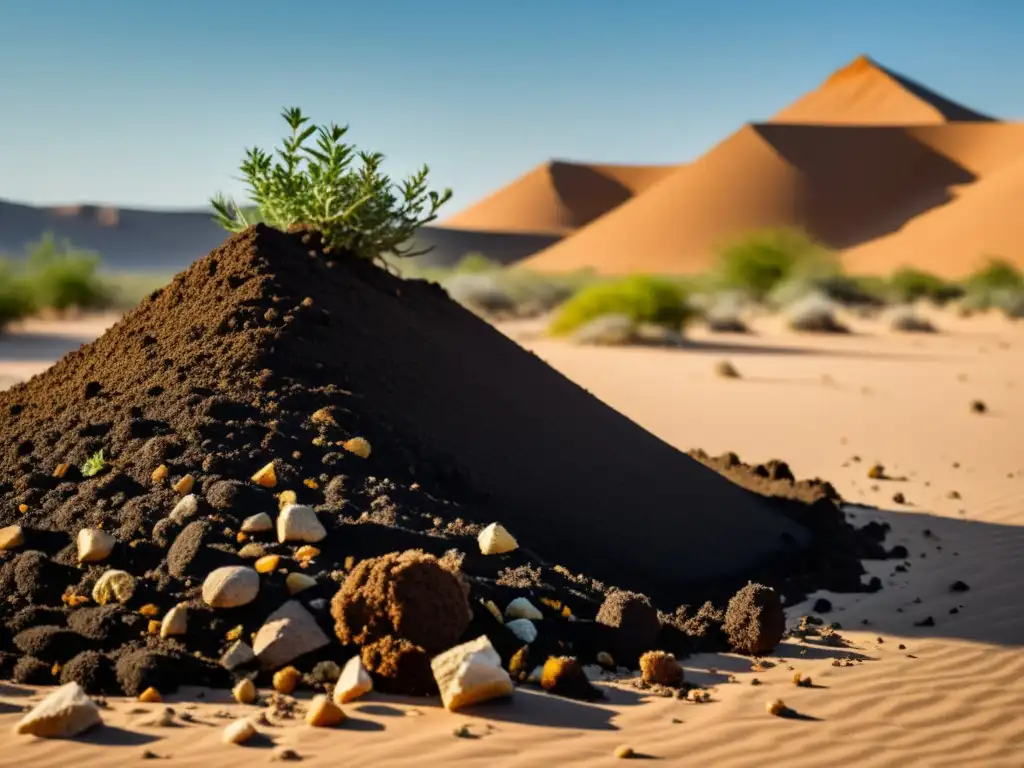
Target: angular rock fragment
[[353, 682], [66, 712], [289, 632], [495, 540], [297, 522], [470, 673]]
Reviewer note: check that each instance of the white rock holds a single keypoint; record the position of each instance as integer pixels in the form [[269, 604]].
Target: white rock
[[238, 732], [523, 629], [258, 523], [231, 586], [298, 582], [297, 522], [66, 712], [495, 540], [94, 545], [237, 655], [288, 633], [113, 585], [521, 608], [535, 676], [470, 673], [175, 622], [12, 536], [184, 509], [353, 682]]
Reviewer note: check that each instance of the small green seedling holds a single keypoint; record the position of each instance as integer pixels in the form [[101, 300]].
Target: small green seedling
[[94, 464]]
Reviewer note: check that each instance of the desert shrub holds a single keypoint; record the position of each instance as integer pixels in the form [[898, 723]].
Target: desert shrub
[[906, 320], [62, 277], [760, 261], [996, 275], [907, 285], [815, 314], [1012, 305], [475, 263], [357, 210], [15, 294], [607, 331], [482, 293], [640, 298], [724, 314], [537, 293]]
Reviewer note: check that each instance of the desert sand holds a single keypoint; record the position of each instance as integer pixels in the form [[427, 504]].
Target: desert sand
[[830, 406]]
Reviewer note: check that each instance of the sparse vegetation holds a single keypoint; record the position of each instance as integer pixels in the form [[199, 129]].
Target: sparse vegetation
[[814, 314], [643, 299], [907, 285], [761, 261], [907, 321], [355, 210], [63, 277], [15, 294]]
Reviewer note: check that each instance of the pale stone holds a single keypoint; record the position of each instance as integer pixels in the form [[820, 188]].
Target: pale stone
[[12, 536], [323, 713], [258, 523], [353, 682], [470, 673], [297, 522], [495, 540], [175, 622], [186, 508], [231, 586], [289, 632], [298, 582], [524, 629], [521, 608], [237, 655], [238, 732], [245, 691], [66, 712], [94, 545], [113, 585]]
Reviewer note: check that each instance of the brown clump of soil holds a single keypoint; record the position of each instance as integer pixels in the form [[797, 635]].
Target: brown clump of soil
[[634, 624], [234, 365], [660, 668], [563, 676], [398, 666], [754, 620], [409, 595]]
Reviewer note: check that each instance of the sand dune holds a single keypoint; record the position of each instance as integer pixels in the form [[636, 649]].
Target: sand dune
[[955, 239], [557, 198], [866, 93], [844, 185]]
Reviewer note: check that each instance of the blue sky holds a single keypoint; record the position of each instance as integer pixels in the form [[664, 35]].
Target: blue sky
[[147, 103]]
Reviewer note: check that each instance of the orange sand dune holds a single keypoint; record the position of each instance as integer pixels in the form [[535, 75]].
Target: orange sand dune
[[845, 185], [952, 241], [866, 93], [557, 197]]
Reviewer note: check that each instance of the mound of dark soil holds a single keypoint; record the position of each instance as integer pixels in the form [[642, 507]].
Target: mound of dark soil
[[271, 350]]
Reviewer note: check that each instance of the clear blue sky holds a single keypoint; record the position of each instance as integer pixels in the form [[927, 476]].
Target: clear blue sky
[[151, 102]]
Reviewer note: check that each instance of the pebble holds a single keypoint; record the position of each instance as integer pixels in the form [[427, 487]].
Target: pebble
[[286, 680], [353, 682], [776, 707], [266, 477], [260, 523], [113, 585], [231, 586], [185, 485], [495, 540], [521, 608], [267, 563], [64, 713], [524, 629], [12, 536], [238, 732], [237, 655], [175, 622], [297, 522], [94, 545], [150, 696], [298, 582], [286, 754], [360, 446], [245, 691], [624, 752], [470, 673], [323, 712], [186, 508]]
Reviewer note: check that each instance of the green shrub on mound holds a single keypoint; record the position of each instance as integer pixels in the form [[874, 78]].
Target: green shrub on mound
[[760, 261], [643, 299]]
